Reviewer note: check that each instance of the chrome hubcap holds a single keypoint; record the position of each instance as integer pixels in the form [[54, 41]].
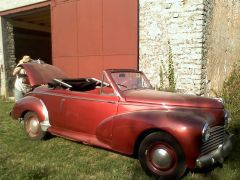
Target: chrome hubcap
[[161, 158], [33, 125]]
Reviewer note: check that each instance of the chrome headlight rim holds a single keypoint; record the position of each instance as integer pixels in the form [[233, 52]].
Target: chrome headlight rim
[[205, 132], [227, 118]]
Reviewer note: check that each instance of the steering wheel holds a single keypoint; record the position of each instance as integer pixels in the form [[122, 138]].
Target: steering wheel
[[121, 85]]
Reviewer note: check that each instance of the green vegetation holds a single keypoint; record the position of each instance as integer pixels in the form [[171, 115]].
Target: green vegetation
[[57, 158], [171, 78], [161, 86], [231, 95], [170, 73]]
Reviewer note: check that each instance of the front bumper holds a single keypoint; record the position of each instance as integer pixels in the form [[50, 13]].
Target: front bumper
[[217, 155]]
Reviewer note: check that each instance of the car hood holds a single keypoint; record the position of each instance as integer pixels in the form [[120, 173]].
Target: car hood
[[39, 74], [170, 99]]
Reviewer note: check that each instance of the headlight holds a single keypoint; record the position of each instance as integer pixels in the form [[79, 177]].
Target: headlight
[[220, 100], [205, 132], [227, 119]]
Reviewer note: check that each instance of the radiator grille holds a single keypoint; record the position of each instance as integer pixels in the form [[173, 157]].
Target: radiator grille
[[216, 138]]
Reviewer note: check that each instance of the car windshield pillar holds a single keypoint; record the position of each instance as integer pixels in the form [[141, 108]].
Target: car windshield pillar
[[106, 86]]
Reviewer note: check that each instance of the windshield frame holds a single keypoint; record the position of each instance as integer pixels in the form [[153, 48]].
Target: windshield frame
[[115, 86]]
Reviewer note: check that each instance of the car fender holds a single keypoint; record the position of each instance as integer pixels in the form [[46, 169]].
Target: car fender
[[34, 104], [185, 126]]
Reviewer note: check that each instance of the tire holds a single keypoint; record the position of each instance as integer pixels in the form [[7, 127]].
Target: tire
[[161, 156], [32, 126]]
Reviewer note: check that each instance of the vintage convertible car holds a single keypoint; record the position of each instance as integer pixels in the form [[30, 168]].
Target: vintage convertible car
[[167, 132]]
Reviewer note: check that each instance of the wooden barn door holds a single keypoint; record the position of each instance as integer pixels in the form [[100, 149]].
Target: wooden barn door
[[89, 36]]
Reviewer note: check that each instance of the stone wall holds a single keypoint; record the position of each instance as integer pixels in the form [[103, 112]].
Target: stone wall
[[223, 42], [181, 23], [9, 55], [208, 9], [2, 66]]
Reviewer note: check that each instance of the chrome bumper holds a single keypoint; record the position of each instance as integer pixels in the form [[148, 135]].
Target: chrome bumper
[[217, 155]]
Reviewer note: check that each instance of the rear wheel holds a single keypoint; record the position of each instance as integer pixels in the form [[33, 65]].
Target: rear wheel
[[161, 156], [32, 126]]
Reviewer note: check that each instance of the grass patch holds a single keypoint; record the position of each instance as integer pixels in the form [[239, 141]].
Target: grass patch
[[57, 158]]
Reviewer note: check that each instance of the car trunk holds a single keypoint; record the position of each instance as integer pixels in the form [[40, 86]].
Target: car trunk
[[39, 74]]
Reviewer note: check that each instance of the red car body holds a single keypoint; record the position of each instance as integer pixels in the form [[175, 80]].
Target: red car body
[[120, 120]]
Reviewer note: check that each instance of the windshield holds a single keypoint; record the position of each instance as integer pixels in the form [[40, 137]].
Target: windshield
[[130, 80]]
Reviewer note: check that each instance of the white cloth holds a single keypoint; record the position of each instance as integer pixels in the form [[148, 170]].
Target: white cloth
[[20, 82]]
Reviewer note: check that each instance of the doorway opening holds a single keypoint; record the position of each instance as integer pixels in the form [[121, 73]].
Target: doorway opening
[[26, 32], [32, 34]]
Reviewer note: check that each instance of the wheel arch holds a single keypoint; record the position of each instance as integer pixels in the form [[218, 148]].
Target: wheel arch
[[31, 104], [24, 113]]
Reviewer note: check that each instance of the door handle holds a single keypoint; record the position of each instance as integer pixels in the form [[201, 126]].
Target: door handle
[[111, 102]]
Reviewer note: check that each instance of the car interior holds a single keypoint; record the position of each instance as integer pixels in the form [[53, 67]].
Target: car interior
[[89, 85]]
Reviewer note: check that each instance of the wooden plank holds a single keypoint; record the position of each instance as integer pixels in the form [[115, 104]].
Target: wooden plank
[[31, 26], [25, 8]]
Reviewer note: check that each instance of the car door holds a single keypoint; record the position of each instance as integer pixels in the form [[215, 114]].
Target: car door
[[52, 99], [83, 112]]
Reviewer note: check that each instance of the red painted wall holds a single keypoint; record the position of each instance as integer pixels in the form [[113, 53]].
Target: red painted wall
[[91, 35]]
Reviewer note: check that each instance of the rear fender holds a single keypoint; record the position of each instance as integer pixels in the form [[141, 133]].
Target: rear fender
[[31, 103]]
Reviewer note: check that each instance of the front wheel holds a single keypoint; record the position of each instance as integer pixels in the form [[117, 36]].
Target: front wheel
[[32, 126], [161, 156]]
